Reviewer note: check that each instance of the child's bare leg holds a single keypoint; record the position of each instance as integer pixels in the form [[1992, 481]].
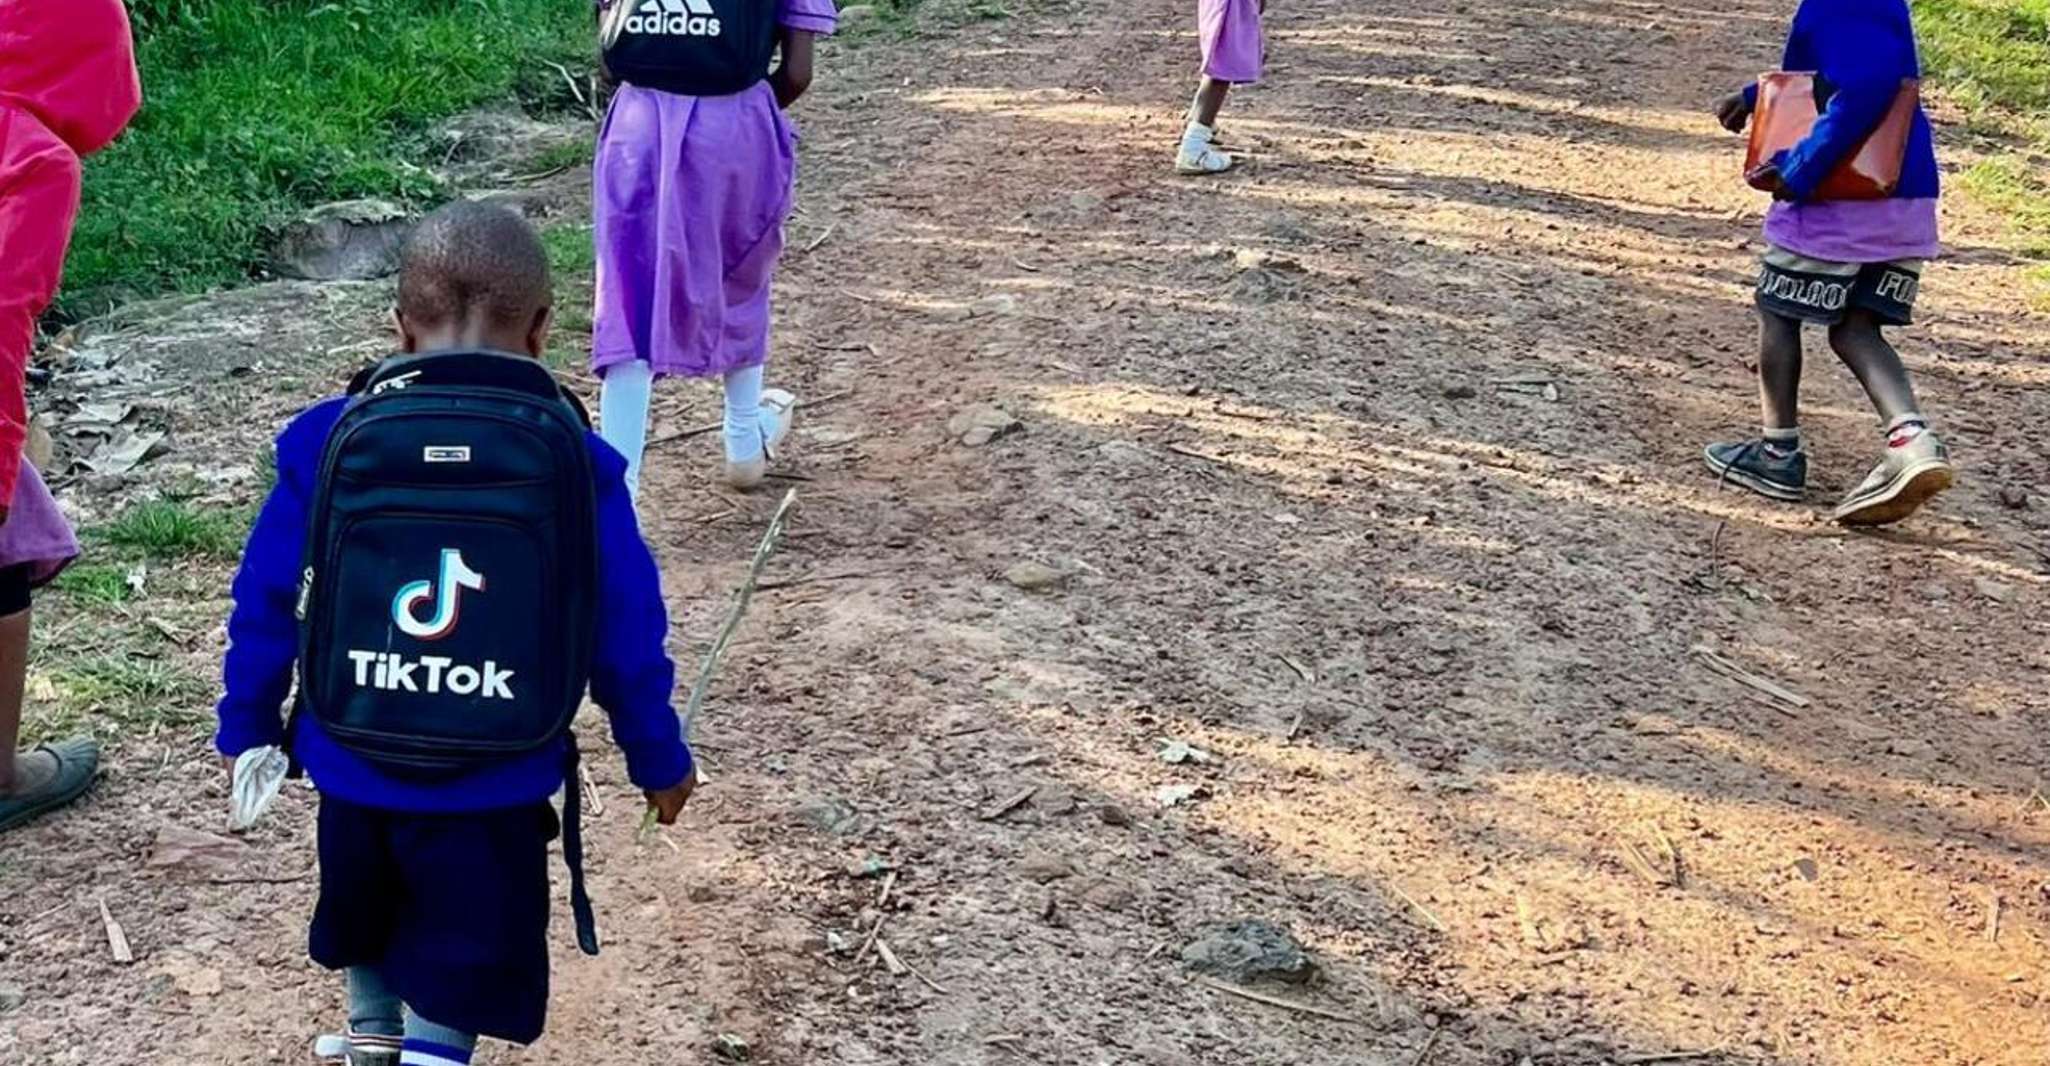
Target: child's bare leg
[[1914, 465], [34, 782], [1773, 463], [1779, 371], [1198, 155], [1209, 102], [21, 773], [1860, 344]]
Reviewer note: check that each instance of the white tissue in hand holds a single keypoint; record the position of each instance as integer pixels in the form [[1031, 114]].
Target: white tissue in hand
[[259, 775]]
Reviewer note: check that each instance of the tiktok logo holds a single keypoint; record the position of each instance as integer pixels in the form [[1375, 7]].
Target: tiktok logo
[[447, 593]]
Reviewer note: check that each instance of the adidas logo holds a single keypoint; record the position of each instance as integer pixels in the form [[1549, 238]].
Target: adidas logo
[[675, 18]]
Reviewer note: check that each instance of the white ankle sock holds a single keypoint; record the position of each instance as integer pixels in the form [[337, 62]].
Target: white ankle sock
[[1784, 441], [1196, 138], [748, 423]]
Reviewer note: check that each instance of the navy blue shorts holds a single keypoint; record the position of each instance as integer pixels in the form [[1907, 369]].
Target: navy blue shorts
[[1794, 286], [453, 908]]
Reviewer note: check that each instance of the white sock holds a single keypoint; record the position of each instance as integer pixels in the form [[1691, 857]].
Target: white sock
[[1784, 441], [623, 399], [747, 424], [1196, 138]]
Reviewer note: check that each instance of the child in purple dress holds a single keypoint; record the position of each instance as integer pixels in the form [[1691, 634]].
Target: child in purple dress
[[1234, 51], [690, 193]]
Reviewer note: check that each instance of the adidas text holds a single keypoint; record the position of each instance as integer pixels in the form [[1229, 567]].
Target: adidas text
[[432, 674], [674, 18]]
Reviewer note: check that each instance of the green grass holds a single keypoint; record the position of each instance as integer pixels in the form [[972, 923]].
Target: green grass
[[2008, 184], [568, 155], [124, 695], [1988, 53], [1992, 57], [570, 252], [172, 529], [257, 109], [95, 584]]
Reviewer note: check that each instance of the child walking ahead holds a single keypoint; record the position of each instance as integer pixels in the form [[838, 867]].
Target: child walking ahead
[[1851, 266], [1234, 51], [695, 175], [418, 529]]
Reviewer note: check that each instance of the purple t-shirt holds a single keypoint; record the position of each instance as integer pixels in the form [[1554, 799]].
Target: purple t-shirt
[[811, 16], [1855, 231]]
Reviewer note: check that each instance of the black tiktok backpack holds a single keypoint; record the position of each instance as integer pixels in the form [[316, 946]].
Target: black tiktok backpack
[[689, 47], [447, 606]]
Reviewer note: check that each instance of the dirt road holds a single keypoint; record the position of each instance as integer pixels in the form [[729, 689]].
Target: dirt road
[[1370, 470]]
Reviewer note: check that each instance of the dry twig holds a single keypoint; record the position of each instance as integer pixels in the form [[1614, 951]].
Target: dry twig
[[1431, 919], [117, 939], [1009, 805], [1275, 1001], [1726, 668]]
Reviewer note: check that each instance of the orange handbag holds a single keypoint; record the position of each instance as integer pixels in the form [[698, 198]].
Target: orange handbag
[[1785, 113]]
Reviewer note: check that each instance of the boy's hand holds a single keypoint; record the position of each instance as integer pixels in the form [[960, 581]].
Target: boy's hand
[[1733, 111], [668, 803]]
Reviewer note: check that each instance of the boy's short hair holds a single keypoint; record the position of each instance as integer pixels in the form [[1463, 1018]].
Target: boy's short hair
[[471, 258]]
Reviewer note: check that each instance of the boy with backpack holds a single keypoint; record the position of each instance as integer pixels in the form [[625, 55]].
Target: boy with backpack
[[449, 557]]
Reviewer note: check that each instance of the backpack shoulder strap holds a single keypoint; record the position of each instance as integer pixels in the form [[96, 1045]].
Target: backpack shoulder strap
[[360, 380], [577, 404]]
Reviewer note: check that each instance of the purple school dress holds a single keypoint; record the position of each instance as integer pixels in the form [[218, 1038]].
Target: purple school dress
[[36, 534], [1234, 48], [689, 196]]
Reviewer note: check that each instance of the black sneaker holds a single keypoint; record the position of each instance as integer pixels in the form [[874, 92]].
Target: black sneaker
[[1751, 464]]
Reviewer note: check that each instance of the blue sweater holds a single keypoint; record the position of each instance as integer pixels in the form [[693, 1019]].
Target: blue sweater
[[1865, 49], [632, 677]]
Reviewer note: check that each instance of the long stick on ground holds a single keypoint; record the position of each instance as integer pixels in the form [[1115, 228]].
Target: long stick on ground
[[742, 596], [1275, 1001]]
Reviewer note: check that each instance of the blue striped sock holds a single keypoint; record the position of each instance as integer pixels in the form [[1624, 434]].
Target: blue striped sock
[[420, 1052]]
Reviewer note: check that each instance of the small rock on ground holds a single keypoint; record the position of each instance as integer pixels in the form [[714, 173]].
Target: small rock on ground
[[1034, 577], [982, 424], [827, 815], [1044, 868], [1248, 950], [355, 240]]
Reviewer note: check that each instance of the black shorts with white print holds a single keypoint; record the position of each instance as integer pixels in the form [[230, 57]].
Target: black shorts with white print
[[1818, 290]]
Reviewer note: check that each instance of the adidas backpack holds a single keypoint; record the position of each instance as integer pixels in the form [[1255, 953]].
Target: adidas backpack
[[689, 47], [447, 608]]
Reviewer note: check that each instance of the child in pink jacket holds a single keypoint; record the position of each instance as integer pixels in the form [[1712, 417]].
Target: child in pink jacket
[[67, 86]]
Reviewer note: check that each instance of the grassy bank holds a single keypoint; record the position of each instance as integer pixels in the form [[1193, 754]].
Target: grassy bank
[[256, 109], [1992, 57]]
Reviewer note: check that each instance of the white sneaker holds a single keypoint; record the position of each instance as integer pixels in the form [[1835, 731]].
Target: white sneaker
[[340, 1050], [748, 474], [1199, 155], [1903, 481]]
